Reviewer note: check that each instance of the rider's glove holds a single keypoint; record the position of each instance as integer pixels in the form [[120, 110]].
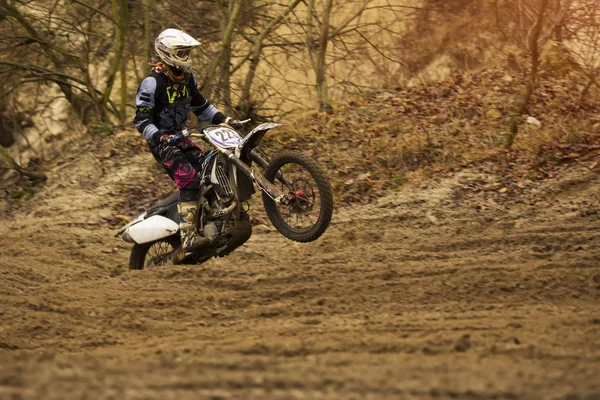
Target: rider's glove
[[234, 123], [169, 138]]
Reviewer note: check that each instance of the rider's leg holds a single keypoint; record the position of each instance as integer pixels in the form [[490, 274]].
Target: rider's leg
[[185, 176], [190, 239], [193, 154]]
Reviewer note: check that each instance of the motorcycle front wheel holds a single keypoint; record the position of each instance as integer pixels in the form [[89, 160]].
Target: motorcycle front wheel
[[309, 214], [153, 254]]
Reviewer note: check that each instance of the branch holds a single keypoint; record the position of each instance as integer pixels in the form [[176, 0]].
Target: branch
[[13, 164], [114, 21], [35, 35], [351, 18], [38, 70], [379, 51]]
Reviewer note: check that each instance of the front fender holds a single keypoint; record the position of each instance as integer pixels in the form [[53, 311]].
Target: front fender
[[255, 136]]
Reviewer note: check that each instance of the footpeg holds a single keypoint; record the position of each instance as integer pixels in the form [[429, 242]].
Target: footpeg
[[198, 243], [180, 254]]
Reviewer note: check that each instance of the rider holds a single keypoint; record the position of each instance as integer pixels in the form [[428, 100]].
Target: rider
[[163, 103]]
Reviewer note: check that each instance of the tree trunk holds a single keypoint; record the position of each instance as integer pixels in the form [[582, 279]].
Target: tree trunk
[[120, 44], [322, 88], [148, 39], [532, 81], [310, 38], [318, 55], [256, 52], [124, 19], [225, 44], [226, 81]]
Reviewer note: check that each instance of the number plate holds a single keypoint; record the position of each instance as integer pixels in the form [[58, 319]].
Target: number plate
[[223, 137]]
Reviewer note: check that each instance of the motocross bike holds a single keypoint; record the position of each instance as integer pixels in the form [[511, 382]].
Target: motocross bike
[[295, 192]]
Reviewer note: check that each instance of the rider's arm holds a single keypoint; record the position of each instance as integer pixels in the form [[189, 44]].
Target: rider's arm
[[202, 108], [144, 113]]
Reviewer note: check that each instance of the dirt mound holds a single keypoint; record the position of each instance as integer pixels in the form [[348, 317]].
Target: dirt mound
[[437, 290]]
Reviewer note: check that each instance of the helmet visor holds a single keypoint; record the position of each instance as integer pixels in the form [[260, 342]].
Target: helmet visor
[[183, 53]]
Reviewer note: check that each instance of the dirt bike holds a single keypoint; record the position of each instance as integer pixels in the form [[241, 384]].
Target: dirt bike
[[295, 192]]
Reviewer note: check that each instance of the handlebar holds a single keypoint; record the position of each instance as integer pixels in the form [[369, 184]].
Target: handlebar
[[196, 131]]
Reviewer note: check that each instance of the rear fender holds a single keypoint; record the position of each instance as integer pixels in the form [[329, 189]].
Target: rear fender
[[137, 220], [154, 228]]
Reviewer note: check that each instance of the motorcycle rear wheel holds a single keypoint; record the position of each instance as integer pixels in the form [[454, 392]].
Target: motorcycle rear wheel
[[296, 173], [149, 255]]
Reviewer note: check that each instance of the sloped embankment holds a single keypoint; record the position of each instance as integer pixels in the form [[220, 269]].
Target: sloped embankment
[[388, 138]]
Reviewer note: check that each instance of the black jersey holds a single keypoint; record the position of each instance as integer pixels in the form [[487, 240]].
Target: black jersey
[[165, 108]]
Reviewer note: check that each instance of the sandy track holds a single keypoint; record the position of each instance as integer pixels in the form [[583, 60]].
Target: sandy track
[[418, 296]]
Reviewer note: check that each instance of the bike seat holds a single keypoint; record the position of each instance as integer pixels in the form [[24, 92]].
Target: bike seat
[[166, 207], [168, 201]]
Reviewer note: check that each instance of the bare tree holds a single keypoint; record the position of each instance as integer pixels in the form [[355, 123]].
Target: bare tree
[[147, 26], [534, 45], [224, 54], [119, 63], [254, 56], [318, 51], [53, 45], [580, 33]]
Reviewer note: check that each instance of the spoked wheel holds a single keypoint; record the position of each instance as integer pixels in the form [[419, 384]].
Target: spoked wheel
[[153, 254], [308, 215]]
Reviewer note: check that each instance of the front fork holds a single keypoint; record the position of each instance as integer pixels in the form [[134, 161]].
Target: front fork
[[261, 160], [271, 190]]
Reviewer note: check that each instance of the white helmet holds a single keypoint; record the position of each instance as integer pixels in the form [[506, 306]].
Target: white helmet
[[174, 47]]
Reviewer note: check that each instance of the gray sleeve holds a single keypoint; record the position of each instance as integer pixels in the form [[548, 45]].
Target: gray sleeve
[[144, 102], [208, 114]]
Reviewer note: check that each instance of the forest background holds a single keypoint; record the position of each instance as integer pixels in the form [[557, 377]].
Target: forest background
[[379, 91]]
